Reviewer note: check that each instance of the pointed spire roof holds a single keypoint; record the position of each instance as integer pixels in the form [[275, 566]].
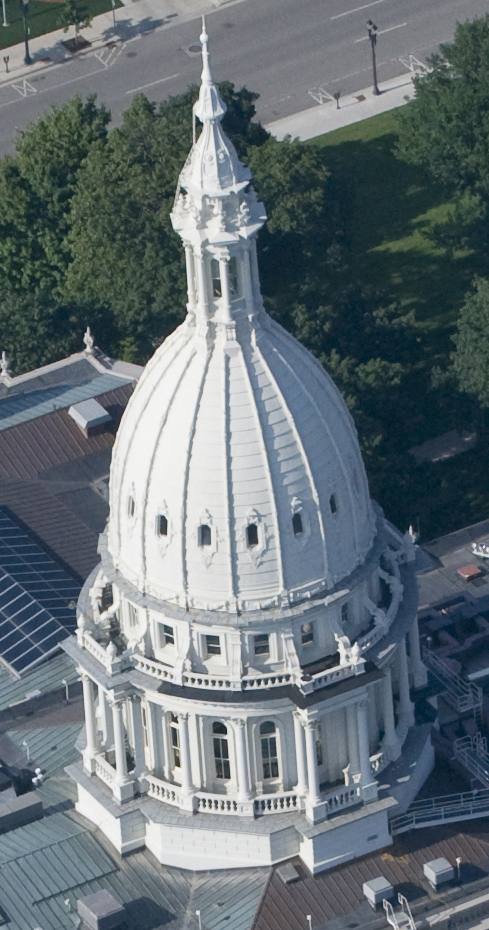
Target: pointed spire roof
[[210, 105]]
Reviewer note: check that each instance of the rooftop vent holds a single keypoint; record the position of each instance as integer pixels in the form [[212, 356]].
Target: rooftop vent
[[90, 416]]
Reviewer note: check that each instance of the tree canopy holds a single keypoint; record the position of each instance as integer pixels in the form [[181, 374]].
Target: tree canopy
[[446, 125]]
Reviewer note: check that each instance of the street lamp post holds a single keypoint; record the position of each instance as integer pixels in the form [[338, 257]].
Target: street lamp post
[[372, 34], [5, 23], [25, 10], [112, 3]]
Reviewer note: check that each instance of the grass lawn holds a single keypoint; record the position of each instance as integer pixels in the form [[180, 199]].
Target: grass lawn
[[43, 18], [394, 206]]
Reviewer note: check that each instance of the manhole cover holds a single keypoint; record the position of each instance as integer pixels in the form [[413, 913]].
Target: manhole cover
[[228, 25], [195, 49], [131, 54]]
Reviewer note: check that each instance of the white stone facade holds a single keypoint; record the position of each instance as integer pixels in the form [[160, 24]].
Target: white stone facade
[[249, 640]]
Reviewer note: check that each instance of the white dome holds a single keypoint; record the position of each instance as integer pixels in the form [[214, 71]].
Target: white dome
[[237, 479], [226, 439]]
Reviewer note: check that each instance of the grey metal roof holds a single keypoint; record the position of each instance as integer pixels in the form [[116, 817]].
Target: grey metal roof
[[50, 748], [44, 679], [20, 408]]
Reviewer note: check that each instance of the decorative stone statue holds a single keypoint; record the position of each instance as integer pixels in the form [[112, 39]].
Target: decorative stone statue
[[89, 341]]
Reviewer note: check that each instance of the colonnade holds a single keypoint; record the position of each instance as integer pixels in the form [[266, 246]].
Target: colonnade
[[355, 736]]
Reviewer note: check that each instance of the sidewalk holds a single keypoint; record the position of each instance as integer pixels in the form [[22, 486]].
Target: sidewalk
[[356, 107], [136, 18]]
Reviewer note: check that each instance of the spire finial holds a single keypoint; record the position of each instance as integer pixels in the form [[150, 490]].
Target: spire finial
[[5, 371], [89, 341], [209, 106]]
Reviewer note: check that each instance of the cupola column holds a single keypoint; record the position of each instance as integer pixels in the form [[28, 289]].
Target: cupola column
[[201, 282], [405, 705], [389, 742], [187, 786], [300, 756], [418, 670], [247, 283], [352, 739], [137, 726], [226, 294], [368, 783], [189, 260], [314, 796], [244, 792], [123, 788], [91, 747]]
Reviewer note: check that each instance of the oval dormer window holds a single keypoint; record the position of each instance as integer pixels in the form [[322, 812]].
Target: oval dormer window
[[205, 538], [131, 507], [162, 525], [297, 524], [252, 535]]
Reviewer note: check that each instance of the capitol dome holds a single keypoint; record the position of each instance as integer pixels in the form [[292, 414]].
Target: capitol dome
[[248, 642], [237, 478]]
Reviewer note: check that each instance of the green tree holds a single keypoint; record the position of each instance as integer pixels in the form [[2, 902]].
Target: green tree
[[74, 13], [446, 126], [471, 356]]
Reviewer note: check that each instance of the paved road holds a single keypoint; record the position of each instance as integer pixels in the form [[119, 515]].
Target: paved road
[[290, 51]]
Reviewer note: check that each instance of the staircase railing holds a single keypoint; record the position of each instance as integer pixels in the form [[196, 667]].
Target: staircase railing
[[400, 921], [463, 695], [471, 751]]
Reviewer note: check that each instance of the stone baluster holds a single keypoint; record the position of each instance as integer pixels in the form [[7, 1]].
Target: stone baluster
[[91, 747], [300, 755], [244, 791]]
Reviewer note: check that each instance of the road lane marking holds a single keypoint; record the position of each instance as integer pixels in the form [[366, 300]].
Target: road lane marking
[[381, 32], [144, 86], [357, 9]]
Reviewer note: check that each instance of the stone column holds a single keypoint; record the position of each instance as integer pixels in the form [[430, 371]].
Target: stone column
[[106, 719], [389, 743], [244, 792], [418, 670], [91, 747], [185, 765], [352, 738], [368, 783], [300, 756], [405, 705], [124, 787], [189, 259], [247, 283], [314, 795], [201, 281], [137, 726], [226, 294]]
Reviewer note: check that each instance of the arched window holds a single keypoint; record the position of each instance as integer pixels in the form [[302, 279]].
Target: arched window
[[252, 535], [162, 525], [216, 278], [175, 740], [269, 757], [297, 524], [333, 503], [131, 506], [221, 751], [205, 538]]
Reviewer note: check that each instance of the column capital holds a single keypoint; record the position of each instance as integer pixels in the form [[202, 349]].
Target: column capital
[[182, 717], [84, 675], [298, 716], [240, 723], [136, 698]]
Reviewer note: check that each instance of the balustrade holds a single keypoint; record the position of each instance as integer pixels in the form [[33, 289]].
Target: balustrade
[[163, 791], [105, 771], [276, 804], [339, 798]]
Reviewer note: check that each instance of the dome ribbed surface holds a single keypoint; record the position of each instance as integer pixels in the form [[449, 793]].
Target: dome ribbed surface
[[227, 438]]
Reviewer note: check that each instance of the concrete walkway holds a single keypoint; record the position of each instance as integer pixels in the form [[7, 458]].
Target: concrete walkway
[[135, 18], [359, 106]]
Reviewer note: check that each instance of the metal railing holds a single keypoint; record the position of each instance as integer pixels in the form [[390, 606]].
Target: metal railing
[[403, 920], [471, 751], [463, 695], [446, 809]]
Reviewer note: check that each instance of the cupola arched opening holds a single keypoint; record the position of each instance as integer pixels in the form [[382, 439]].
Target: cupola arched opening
[[221, 750], [269, 753]]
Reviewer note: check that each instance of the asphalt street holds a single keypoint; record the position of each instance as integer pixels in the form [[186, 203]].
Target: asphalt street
[[292, 52]]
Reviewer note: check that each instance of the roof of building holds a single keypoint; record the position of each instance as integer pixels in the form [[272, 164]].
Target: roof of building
[[438, 563]]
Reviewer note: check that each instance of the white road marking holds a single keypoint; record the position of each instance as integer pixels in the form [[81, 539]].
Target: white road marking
[[381, 32], [144, 86], [357, 9]]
